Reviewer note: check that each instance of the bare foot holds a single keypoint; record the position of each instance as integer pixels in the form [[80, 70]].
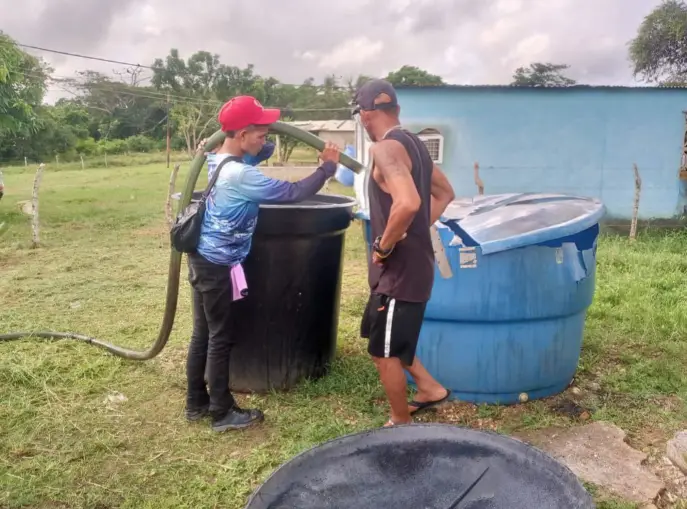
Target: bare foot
[[391, 422]]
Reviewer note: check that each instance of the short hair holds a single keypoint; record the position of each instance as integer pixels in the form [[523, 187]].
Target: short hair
[[250, 127]]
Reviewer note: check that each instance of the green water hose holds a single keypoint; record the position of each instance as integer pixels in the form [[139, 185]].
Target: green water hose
[[175, 256]]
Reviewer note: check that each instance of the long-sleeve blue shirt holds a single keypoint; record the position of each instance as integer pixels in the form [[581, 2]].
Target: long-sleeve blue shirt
[[231, 212]]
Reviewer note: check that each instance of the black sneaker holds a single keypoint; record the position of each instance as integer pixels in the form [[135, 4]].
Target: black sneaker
[[237, 418], [196, 414]]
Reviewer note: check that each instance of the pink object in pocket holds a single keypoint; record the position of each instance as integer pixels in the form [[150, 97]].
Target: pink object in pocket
[[238, 282]]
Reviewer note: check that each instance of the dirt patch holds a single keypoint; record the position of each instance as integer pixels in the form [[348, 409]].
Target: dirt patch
[[597, 453], [566, 408], [473, 416], [570, 408], [648, 439]]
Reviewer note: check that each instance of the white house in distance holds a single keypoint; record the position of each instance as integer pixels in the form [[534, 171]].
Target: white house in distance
[[341, 132]]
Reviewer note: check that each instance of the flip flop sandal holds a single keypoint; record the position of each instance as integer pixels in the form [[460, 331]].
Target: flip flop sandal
[[426, 405]]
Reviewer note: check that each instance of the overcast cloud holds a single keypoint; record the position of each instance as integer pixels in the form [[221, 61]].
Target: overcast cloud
[[464, 41]]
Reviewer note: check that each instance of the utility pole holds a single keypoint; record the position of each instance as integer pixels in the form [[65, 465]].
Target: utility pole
[[168, 136]]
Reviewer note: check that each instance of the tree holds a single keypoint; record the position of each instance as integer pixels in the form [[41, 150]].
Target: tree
[[200, 84], [123, 111], [542, 75], [22, 86], [659, 51], [117, 108], [192, 121], [203, 75], [59, 130], [414, 76]]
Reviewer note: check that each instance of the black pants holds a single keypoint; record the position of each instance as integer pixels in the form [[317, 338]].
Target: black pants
[[211, 341]]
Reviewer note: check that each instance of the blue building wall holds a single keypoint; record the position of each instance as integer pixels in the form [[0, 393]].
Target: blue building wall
[[578, 140]]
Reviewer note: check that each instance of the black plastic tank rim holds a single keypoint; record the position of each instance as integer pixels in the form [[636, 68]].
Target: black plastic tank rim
[[563, 470], [347, 202]]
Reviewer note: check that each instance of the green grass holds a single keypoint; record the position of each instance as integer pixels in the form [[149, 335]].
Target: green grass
[[300, 155], [81, 428]]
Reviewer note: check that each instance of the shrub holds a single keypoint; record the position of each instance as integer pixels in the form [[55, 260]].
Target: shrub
[[140, 143]]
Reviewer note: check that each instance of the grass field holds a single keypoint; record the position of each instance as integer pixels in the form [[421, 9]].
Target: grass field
[[300, 155], [83, 429]]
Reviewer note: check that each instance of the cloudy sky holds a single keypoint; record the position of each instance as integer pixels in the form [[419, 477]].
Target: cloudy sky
[[465, 41]]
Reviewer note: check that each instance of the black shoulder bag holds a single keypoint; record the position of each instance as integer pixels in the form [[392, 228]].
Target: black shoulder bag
[[185, 232]]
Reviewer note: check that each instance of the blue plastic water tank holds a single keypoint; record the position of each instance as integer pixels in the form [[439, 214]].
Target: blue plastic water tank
[[510, 320]]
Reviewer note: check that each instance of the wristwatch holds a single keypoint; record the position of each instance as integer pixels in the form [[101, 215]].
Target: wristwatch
[[382, 253]]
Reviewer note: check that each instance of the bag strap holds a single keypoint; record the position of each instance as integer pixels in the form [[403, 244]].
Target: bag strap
[[213, 180]]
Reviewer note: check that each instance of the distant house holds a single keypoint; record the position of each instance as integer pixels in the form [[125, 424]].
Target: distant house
[[580, 140], [341, 132]]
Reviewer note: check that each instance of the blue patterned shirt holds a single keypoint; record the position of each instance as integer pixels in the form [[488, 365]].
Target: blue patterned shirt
[[231, 213]]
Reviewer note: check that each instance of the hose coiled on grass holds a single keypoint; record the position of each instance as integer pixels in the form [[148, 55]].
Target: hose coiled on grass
[[175, 256]]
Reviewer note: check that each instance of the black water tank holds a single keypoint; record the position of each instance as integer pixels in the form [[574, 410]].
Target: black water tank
[[428, 466], [287, 325]]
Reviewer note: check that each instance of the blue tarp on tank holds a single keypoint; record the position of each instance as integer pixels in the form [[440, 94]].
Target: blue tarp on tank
[[508, 221]]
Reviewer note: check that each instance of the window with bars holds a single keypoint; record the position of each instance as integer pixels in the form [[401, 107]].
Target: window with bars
[[434, 141]]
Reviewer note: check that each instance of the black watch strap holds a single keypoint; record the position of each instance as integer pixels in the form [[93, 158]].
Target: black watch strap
[[378, 249]]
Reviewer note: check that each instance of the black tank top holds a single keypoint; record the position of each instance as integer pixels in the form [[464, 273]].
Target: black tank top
[[408, 274]]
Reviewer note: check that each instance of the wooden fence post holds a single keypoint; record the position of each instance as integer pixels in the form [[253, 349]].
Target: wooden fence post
[[34, 205], [172, 185], [478, 180], [277, 148], [635, 209]]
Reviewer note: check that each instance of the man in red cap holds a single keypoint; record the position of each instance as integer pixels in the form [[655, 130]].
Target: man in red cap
[[225, 239]]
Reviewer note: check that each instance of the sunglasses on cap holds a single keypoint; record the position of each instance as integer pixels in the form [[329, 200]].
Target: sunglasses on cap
[[356, 109]]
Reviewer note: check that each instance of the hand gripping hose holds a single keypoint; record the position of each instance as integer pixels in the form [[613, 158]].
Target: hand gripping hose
[[175, 256]]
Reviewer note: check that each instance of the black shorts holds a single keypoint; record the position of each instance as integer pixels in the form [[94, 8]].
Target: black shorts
[[392, 327]]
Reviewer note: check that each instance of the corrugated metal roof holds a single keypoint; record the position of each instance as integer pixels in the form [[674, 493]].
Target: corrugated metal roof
[[520, 87], [325, 125]]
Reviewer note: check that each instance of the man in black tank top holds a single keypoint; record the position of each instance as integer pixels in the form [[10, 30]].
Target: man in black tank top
[[408, 193]]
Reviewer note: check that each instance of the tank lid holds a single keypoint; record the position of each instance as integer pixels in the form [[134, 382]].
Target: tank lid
[[508, 221], [422, 466]]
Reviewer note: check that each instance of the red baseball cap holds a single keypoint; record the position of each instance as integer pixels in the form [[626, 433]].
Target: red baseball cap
[[244, 110]]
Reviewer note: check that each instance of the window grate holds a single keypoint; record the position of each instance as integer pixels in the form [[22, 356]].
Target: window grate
[[435, 146]]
